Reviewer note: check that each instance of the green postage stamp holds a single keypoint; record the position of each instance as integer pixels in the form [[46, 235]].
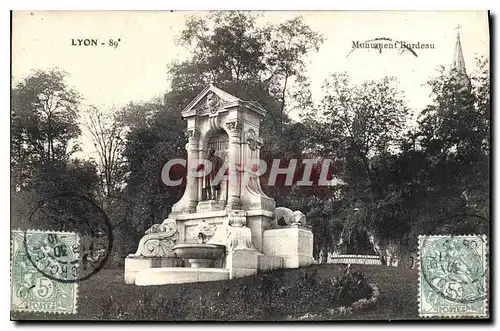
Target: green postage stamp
[[44, 271], [452, 276]]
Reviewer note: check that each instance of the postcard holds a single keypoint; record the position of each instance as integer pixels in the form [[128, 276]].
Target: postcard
[[250, 166]]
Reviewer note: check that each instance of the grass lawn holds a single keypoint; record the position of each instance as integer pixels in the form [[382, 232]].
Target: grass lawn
[[106, 296]]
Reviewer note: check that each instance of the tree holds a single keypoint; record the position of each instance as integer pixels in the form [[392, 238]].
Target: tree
[[454, 139], [49, 180], [44, 123], [236, 51], [153, 138], [44, 120], [360, 127], [457, 121], [367, 119], [107, 135], [289, 43], [231, 51], [360, 123]]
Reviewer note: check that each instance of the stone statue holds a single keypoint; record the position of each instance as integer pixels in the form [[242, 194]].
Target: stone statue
[[210, 187], [285, 216]]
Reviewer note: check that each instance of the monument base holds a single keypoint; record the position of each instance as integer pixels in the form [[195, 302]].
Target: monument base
[[210, 205], [270, 262], [162, 276], [134, 264], [293, 243], [297, 260], [242, 263]]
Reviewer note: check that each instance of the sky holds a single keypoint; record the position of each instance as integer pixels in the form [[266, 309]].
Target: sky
[[136, 69]]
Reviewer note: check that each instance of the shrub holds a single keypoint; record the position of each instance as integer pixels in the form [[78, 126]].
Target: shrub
[[350, 287]]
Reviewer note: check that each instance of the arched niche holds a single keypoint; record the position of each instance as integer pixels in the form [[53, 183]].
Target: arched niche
[[217, 139]]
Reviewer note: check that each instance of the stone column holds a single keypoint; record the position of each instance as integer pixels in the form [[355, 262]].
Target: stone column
[[234, 160], [192, 148], [202, 155]]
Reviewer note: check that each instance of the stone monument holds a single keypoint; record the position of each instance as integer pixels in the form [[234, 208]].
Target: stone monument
[[224, 226]]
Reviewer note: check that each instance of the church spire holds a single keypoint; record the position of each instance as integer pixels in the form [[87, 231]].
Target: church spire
[[458, 63]]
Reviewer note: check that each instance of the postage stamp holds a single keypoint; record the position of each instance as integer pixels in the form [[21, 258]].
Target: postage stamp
[[44, 265], [452, 276]]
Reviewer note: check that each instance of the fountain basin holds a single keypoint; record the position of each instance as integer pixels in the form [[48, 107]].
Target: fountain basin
[[200, 255]]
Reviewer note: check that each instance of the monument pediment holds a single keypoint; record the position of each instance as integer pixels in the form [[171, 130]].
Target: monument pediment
[[209, 101], [212, 100]]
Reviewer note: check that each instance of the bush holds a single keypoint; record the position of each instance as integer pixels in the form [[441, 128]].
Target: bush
[[350, 287], [277, 295]]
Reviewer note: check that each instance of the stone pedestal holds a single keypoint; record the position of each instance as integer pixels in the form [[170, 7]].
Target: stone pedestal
[[270, 262], [134, 264], [242, 263], [258, 221], [293, 243], [210, 205], [162, 276]]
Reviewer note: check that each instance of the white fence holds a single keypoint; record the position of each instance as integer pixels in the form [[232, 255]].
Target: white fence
[[354, 259]]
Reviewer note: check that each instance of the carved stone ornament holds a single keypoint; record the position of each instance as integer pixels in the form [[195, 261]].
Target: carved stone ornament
[[192, 133], [234, 125], [205, 231], [239, 237], [159, 240], [237, 218], [213, 102], [253, 140]]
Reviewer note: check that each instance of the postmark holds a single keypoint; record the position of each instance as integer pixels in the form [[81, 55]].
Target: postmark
[[452, 276], [79, 214], [38, 285]]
